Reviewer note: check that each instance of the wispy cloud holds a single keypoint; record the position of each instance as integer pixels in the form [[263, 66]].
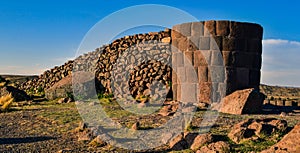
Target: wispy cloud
[[281, 62]]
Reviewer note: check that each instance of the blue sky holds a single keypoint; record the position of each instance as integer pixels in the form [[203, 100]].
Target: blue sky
[[37, 35]]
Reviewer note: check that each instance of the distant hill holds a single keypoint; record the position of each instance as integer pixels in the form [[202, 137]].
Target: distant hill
[[18, 79], [277, 92]]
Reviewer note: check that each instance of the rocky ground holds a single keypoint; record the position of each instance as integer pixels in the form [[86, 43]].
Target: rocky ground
[[51, 127]]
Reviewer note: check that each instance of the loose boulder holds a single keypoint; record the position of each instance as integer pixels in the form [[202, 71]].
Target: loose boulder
[[200, 140], [252, 129], [289, 143], [178, 143], [61, 89], [246, 101], [82, 83]]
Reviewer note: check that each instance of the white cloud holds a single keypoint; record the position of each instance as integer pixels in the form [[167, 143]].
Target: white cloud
[[281, 60], [274, 42]]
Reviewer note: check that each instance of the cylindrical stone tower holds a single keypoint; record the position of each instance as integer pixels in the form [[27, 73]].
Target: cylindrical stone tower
[[225, 55]]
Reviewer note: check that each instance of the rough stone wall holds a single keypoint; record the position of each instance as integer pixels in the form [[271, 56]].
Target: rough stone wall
[[103, 60], [238, 44]]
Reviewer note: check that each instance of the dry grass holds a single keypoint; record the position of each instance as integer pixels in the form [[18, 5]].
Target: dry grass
[[6, 101], [2, 84]]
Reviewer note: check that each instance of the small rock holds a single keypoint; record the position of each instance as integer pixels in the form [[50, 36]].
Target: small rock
[[62, 100], [92, 103], [202, 105], [217, 147], [135, 126], [166, 40], [283, 114], [178, 143], [85, 136], [201, 140], [97, 142]]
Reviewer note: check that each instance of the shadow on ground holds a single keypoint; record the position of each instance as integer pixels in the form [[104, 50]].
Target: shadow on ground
[[24, 140]]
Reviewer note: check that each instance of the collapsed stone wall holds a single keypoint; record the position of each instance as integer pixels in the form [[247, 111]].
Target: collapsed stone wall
[[102, 61], [232, 49]]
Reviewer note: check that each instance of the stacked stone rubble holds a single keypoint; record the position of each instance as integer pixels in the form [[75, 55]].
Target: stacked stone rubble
[[101, 62]]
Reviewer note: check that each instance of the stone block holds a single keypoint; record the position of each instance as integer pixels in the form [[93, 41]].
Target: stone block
[[177, 60], [230, 88], [230, 75], [193, 43], [254, 78], [197, 29], [222, 28], [203, 74], [210, 28], [241, 44], [185, 29], [216, 43], [202, 58], [227, 58], [175, 91], [204, 43], [191, 74], [253, 31], [175, 32], [188, 58], [174, 78], [242, 59], [216, 58], [222, 89], [205, 92], [183, 44], [279, 103], [236, 29], [217, 73], [254, 45], [288, 103], [175, 42], [245, 101], [228, 44], [242, 75], [257, 61], [181, 74], [273, 102], [189, 92]]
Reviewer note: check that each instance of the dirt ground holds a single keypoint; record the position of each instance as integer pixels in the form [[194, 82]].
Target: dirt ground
[[49, 127]]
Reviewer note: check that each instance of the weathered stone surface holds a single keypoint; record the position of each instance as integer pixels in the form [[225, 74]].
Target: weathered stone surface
[[60, 89], [204, 43], [210, 28], [224, 44], [166, 40], [242, 102], [222, 28], [217, 147], [197, 29], [252, 129], [178, 143], [201, 140], [289, 143], [97, 142]]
